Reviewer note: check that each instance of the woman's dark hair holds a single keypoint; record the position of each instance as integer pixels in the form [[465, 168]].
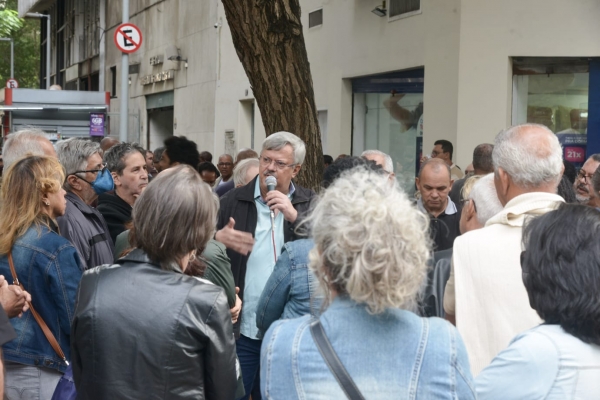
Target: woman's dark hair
[[561, 269], [570, 171], [181, 150], [566, 191], [344, 164]]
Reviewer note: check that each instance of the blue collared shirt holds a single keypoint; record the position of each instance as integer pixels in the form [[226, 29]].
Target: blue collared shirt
[[261, 260]]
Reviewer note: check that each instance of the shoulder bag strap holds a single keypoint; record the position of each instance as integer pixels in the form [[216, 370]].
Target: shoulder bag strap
[[38, 318], [333, 362]]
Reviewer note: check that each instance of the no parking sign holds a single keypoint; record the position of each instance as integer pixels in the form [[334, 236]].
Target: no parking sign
[[128, 38]]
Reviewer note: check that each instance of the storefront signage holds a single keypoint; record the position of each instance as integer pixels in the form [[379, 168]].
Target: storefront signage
[[158, 77], [574, 146], [156, 60], [96, 124]]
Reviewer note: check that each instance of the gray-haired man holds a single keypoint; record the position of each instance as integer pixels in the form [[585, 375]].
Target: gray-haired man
[[28, 141], [86, 179], [382, 159], [248, 208]]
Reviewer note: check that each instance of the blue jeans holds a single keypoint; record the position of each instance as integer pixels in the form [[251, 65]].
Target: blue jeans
[[248, 352]]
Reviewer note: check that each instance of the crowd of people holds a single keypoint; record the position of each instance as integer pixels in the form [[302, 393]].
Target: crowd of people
[[160, 275]]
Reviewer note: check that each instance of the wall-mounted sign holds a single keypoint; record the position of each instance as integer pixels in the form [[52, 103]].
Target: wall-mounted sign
[[158, 77], [96, 124], [156, 60]]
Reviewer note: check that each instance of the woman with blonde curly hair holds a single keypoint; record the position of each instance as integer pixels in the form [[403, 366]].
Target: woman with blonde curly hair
[[370, 256], [46, 265]]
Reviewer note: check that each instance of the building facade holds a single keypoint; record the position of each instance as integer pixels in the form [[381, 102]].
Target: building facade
[[396, 80]]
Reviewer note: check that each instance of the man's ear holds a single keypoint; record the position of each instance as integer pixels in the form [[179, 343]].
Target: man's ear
[[451, 183], [74, 182], [116, 179], [470, 210], [502, 182], [417, 183], [296, 169]]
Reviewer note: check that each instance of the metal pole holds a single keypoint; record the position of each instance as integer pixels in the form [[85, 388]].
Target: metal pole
[[48, 71], [124, 117], [12, 55]]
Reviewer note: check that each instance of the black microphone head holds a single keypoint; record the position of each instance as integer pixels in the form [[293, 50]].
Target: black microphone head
[[271, 182]]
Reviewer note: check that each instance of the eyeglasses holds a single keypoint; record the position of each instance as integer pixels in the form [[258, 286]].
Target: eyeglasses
[[583, 176], [278, 164], [93, 171], [224, 164], [464, 201]]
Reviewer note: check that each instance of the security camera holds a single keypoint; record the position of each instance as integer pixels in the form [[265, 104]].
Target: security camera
[[217, 24]]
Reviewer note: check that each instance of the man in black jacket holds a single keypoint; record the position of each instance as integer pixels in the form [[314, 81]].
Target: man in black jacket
[[127, 164], [254, 239]]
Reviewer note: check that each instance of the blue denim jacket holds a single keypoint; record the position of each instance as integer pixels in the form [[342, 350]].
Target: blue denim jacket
[[291, 289], [393, 355], [50, 269]]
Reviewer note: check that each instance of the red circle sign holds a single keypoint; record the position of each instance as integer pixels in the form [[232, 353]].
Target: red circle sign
[[12, 83], [128, 38]]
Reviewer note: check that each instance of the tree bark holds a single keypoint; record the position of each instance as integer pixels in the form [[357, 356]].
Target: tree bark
[[268, 38]]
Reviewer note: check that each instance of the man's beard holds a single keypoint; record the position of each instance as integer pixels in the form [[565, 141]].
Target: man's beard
[[582, 199]]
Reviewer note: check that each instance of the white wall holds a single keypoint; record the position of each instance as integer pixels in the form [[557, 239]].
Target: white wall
[[491, 32], [188, 25], [465, 47], [353, 42]]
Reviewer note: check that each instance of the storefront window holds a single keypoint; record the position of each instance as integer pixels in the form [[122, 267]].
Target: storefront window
[[388, 116], [554, 93]]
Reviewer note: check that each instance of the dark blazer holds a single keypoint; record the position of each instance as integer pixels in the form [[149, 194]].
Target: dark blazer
[[239, 204]]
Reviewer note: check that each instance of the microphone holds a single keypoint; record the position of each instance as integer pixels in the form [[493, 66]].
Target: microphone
[[271, 182]]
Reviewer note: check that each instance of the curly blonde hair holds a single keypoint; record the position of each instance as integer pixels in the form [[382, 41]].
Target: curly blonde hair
[[371, 243]]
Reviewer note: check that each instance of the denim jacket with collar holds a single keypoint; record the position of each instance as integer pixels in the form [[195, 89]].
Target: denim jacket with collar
[[49, 268], [291, 289], [393, 355]]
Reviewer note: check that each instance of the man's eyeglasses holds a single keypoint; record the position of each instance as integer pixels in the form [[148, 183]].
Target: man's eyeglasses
[[464, 201], [224, 164], [278, 164], [93, 171], [583, 176]]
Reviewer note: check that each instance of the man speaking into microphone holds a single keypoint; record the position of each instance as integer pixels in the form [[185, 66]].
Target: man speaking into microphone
[[254, 223]]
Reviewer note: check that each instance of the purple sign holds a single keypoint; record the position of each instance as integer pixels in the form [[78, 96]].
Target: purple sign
[[574, 147], [96, 124]]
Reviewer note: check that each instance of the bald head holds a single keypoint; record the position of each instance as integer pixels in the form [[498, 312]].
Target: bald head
[[434, 184], [108, 142], [437, 166], [26, 142]]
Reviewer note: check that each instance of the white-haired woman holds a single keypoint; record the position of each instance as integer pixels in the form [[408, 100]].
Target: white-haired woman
[[370, 256]]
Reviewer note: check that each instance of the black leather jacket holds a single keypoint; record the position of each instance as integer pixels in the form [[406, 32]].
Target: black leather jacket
[[141, 332]]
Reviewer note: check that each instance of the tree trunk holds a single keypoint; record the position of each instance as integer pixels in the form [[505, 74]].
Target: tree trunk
[[268, 38]]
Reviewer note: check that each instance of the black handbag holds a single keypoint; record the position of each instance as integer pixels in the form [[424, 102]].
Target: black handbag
[[333, 362]]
